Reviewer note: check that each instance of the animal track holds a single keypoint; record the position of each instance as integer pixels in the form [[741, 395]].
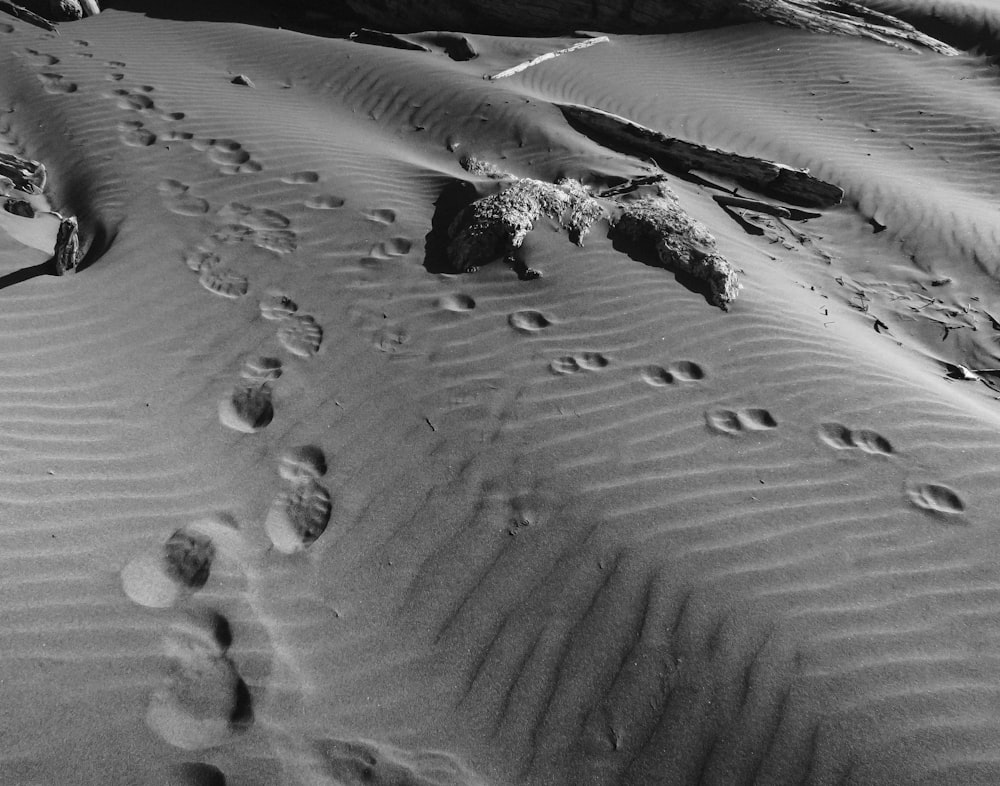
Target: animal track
[[300, 178], [56, 83], [42, 57], [381, 215], [681, 371], [177, 198], [935, 498], [302, 464], [586, 361], [394, 247], [528, 321], [734, 422], [838, 436], [6, 28], [248, 408], [134, 134], [324, 202], [136, 101], [254, 218], [277, 306], [298, 516], [230, 156], [389, 337], [457, 302], [179, 567], [301, 335]]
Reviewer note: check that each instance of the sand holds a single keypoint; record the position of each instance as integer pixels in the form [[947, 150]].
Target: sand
[[285, 501]]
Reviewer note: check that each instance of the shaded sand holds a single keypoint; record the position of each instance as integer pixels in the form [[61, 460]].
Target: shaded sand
[[283, 502]]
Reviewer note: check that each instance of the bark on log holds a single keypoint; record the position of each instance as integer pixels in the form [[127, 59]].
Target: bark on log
[[497, 225], [558, 17], [67, 251], [768, 177]]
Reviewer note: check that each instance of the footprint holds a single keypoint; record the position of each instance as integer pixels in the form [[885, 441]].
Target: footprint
[[302, 464], [261, 369], [528, 321], [178, 568], [178, 198], [6, 28], [280, 241], [203, 701], [657, 376], [247, 409], [394, 247], [381, 215], [138, 102], [116, 64], [300, 335], [230, 156], [390, 337], [221, 280], [839, 437], [134, 134], [935, 498], [299, 178], [728, 421], [277, 306], [564, 365], [42, 57], [298, 516], [592, 361], [55, 83], [195, 773], [254, 218], [115, 77], [686, 371], [457, 302], [176, 136], [324, 202]]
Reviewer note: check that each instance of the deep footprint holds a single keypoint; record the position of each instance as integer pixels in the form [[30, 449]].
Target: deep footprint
[[177, 569], [298, 516], [247, 409]]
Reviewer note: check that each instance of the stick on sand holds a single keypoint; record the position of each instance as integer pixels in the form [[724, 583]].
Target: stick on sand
[[548, 56]]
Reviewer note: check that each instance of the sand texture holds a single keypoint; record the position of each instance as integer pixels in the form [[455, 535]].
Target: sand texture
[[287, 499]]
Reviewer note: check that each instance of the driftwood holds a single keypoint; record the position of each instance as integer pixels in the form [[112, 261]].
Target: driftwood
[[603, 39], [379, 38], [497, 225], [768, 177], [67, 252], [21, 174], [44, 12], [558, 17]]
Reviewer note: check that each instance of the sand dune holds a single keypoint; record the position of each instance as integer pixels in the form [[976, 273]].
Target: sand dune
[[284, 501]]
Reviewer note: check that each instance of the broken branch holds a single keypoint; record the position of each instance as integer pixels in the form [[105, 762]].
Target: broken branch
[[603, 39]]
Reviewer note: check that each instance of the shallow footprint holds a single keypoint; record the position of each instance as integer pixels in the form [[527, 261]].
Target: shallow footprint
[[870, 442], [299, 178], [324, 202], [277, 306], [254, 217], [300, 335], [564, 365], [457, 302], [178, 198], [180, 567], [247, 409], [935, 498], [303, 463], [56, 83], [592, 361], [733, 422], [261, 369], [195, 773], [221, 280], [657, 376], [528, 321], [381, 215], [134, 134], [836, 436], [298, 516]]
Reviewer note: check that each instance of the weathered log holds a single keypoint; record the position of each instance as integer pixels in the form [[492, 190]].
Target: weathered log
[[90, 7], [496, 226], [603, 39], [557, 17], [22, 174], [67, 251], [681, 242], [768, 177]]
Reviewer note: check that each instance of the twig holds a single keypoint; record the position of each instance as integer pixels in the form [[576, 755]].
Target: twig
[[548, 56]]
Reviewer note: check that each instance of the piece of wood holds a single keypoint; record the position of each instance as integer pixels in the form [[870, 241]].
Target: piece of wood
[[556, 17], [24, 174], [548, 56], [67, 251], [22, 13], [767, 177], [380, 38], [90, 7], [753, 204]]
